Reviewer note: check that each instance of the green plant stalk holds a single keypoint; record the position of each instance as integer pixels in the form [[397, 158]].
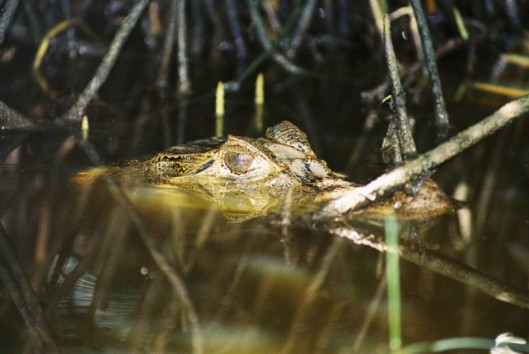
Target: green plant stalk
[[463, 32], [393, 275]]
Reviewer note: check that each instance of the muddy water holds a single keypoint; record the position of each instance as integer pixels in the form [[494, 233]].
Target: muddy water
[[256, 286], [139, 270]]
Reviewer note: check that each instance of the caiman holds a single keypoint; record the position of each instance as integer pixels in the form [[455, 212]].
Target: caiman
[[247, 177]]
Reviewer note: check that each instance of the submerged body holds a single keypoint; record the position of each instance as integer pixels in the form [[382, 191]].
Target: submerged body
[[259, 176]]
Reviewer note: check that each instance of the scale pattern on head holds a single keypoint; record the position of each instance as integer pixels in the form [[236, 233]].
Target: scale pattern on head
[[288, 134], [283, 158], [292, 151], [186, 159]]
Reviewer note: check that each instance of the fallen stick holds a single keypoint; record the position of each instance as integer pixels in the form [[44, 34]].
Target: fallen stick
[[443, 265], [424, 165], [77, 111]]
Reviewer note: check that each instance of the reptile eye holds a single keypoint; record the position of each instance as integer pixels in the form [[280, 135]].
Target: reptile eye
[[238, 162]]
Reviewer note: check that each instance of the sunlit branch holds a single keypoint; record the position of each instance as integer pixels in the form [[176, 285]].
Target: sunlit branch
[[424, 165]]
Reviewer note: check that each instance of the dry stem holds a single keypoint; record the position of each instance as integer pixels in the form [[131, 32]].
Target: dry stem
[[424, 165]]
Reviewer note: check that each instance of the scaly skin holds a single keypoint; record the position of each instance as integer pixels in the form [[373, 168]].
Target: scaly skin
[[260, 172]]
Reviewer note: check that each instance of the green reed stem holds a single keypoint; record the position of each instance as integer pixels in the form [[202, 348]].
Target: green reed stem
[[393, 275]]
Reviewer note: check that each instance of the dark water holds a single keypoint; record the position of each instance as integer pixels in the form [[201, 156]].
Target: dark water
[[149, 274], [256, 286]]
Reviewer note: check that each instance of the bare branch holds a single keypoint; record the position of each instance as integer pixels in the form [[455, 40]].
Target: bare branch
[[443, 265], [424, 165], [429, 54], [76, 112]]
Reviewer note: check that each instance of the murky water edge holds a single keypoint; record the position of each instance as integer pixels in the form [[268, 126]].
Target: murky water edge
[[257, 286]]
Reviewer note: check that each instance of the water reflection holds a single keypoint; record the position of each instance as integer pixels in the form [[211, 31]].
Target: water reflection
[[257, 286], [101, 288]]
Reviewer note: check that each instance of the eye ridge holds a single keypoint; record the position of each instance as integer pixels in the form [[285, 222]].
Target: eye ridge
[[239, 163]]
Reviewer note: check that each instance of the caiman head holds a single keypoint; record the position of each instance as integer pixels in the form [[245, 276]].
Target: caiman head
[[248, 177], [282, 160], [253, 175]]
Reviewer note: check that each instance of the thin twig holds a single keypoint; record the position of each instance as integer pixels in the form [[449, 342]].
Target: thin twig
[[34, 24], [511, 8], [111, 246], [266, 43], [76, 112], [370, 314], [11, 119], [184, 85], [269, 9], [174, 279], [440, 108], [22, 294], [68, 284], [302, 27], [218, 31], [7, 15], [443, 265], [310, 295], [408, 11], [377, 12], [43, 48], [427, 162], [378, 92], [168, 46], [10, 285], [490, 175], [259, 26], [407, 145], [236, 31]]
